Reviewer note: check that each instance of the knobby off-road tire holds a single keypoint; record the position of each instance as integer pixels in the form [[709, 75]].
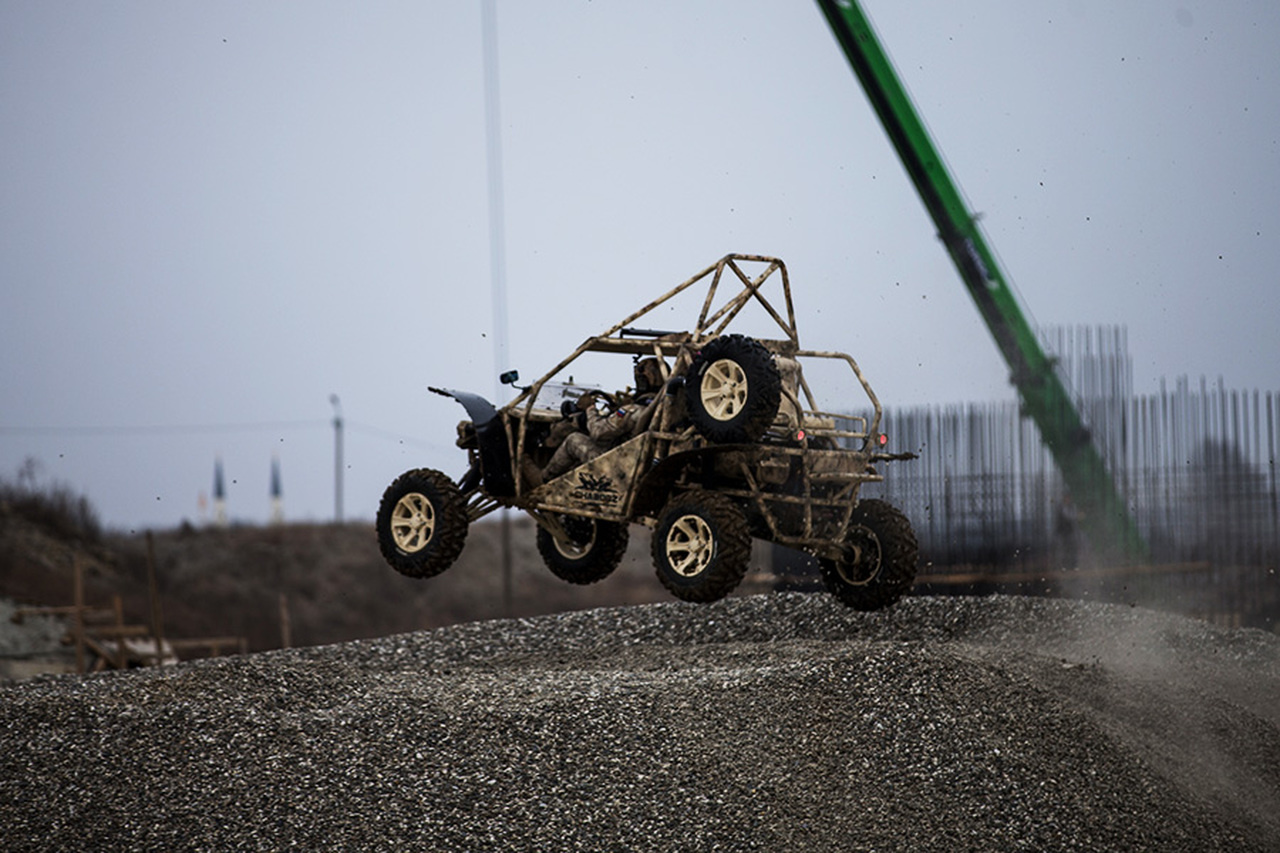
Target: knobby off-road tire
[[887, 558], [734, 390], [596, 550], [422, 523], [701, 547]]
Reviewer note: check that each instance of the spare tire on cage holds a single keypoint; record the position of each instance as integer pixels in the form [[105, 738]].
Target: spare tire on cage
[[733, 390]]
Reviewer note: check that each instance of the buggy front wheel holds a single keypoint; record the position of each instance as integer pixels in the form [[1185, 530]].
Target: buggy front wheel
[[701, 547], [422, 523]]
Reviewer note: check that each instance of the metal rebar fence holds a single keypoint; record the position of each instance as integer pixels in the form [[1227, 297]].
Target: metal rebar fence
[[1197, 465]]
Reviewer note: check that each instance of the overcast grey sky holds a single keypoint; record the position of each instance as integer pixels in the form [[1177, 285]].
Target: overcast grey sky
[[213, 216]]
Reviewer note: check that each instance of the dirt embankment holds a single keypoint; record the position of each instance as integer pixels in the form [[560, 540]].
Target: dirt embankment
[[328, 581]]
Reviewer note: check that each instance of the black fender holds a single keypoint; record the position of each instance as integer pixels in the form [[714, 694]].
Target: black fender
[[491, 436]]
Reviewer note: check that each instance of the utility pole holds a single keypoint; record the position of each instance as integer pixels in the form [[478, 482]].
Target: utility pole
[[337, 457], [219, 494], [497, 237], [277, 496]]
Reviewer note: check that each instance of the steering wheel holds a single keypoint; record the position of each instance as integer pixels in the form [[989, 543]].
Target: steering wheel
[[603, 401], [610, 403]]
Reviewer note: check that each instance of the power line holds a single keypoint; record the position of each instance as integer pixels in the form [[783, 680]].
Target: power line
[[159, 429], [392, 436], [126, 430]]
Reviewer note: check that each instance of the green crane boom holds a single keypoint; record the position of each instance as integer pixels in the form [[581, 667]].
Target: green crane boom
[[1105, 517]]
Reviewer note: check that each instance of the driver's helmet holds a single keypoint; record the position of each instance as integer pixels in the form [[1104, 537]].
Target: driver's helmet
[[648, 376]]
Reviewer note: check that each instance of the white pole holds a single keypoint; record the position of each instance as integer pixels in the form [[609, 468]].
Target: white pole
[[497, 239], [337, 457]]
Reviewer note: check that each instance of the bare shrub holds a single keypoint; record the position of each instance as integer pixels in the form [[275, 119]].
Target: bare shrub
[[54, 506]]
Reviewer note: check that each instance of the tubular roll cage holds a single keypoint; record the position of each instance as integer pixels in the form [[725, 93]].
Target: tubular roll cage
[[680, 348]]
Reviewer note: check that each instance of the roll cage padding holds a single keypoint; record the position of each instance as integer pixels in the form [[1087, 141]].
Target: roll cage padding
[[491, 437]]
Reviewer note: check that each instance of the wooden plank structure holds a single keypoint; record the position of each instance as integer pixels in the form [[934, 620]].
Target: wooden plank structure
[[103, 640]]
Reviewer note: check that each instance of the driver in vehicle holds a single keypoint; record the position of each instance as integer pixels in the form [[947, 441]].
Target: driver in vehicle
[[596, 431]]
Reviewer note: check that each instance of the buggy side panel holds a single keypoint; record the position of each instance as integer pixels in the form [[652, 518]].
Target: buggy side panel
[[603, 487]]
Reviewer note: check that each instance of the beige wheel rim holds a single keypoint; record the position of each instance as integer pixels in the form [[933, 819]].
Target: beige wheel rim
[[413, 522], [724, 389], [572, 550], [690, 546]]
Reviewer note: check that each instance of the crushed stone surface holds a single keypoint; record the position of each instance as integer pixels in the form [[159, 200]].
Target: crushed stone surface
[[772, 722]]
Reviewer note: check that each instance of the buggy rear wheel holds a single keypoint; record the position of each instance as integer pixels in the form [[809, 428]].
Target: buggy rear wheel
[[422, 523], [734, 390], [594, 550], [881, 563], [701, 547]]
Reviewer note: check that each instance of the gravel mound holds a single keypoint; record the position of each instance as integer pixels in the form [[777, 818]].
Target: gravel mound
[[778, 722]]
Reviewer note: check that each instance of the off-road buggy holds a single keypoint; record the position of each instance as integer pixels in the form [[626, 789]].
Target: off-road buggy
[[734, 446]]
